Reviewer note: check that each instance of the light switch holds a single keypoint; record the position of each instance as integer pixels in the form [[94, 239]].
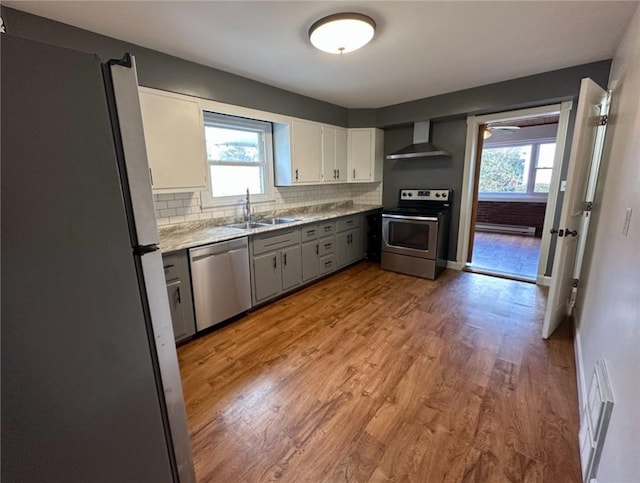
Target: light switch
[[627, 222]]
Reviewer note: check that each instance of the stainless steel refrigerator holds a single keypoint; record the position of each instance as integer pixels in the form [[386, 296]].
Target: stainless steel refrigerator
[[90, 382]]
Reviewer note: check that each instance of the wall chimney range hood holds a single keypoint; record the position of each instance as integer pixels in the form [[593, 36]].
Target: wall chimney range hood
[[421, 147]]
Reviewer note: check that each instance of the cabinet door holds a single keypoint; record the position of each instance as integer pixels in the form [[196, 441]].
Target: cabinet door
[[177, 315], [341, 154], [329, 172], [291, 267], [310, 259], [355, 245], [342, 248], [266, 276], [174, 136], [306, 145], [360, 154]]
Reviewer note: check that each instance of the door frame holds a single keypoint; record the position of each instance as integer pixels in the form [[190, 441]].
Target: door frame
[[470, 165]]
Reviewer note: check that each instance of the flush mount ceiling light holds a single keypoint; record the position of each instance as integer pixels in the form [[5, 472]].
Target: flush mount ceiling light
[[342, 32]]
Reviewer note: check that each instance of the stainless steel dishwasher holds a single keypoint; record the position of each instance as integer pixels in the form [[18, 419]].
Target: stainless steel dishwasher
[[221, 281]]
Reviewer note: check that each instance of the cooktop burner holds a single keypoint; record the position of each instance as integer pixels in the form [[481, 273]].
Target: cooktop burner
[[424, 202]]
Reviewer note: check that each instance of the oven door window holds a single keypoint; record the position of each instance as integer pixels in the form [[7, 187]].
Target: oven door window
[[409, 235]]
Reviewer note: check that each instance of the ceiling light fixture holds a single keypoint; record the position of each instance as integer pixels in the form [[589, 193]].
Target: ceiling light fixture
[[342, 32]]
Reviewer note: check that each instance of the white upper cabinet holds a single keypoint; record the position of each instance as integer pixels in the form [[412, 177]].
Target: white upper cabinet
[[174, 135], [365, 154], [298, 152], [334, 154]]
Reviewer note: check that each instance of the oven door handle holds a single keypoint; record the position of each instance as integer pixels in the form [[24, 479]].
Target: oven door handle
[[405, 217]]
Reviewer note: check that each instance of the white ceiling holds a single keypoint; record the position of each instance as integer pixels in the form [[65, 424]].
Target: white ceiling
[[421, 49]]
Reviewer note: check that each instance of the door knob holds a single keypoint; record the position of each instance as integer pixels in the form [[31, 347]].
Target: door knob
[[568, 232], [553, 231]]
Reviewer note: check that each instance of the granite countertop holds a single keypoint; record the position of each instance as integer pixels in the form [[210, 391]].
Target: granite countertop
[[193, 234]]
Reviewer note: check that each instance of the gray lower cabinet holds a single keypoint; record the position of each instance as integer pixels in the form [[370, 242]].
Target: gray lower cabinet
[[267, 273], [349, 244], [276, 263], [310, 261], [291, 267], [176, 273]]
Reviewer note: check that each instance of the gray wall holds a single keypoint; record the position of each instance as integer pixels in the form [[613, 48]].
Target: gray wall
[[162, 71], [438, 172], [449, 130], [531, 91], [170, 73]]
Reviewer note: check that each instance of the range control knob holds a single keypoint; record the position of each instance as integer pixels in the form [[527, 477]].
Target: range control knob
[[437, 195], [410, 194]]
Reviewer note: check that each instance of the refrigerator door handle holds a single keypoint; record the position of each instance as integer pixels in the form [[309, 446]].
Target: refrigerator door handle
[[128, 121], [167, 359]]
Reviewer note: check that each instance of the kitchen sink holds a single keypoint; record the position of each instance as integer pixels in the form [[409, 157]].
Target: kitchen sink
[[248, 225], [278, 221]]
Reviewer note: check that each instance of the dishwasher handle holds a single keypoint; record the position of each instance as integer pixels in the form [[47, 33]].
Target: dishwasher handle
[[218, 248]]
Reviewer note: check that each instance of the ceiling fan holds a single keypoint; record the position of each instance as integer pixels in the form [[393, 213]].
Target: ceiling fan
[[489, 128]]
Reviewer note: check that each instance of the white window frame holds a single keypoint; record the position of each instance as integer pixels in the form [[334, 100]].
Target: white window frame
[[530, 195], [266, 127]]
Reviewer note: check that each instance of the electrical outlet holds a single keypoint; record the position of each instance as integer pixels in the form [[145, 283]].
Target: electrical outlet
[[627, 222]]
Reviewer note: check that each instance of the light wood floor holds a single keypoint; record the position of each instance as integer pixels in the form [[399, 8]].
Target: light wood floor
[[509, 254], [375, 376]]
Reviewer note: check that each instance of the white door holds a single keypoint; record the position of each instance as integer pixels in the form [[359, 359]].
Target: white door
[[584, 162]]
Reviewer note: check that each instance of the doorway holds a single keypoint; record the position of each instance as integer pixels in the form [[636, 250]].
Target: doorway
[[512, 190], [511, 183]]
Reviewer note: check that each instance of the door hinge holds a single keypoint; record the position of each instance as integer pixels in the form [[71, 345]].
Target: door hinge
[[574, 283], [572, 299], [604, 119], [589, 206]]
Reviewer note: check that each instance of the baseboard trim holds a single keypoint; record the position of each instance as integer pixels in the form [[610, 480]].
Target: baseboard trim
[[455, 265], [580, 379]]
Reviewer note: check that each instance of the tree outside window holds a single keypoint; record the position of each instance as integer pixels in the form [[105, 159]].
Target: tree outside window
[[517, 170]]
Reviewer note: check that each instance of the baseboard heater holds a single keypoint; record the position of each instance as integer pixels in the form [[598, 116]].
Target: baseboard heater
[[507, 229]]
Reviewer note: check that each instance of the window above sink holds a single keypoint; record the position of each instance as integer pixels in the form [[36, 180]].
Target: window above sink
[[239, 157]]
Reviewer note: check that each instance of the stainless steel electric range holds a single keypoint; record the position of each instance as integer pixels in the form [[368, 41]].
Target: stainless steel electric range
[[415, 234]]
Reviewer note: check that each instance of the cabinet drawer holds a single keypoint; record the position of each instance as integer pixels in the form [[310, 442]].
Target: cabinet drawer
[[170, 263], [326, 245], [326, 228], [309, 232], [347, 223], [275, 240], [327, 264]]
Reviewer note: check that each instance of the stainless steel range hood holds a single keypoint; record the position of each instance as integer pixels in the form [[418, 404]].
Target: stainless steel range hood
[[421, 147]]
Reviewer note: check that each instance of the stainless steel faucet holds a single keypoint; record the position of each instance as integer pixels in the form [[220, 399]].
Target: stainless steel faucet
[[247, 207]]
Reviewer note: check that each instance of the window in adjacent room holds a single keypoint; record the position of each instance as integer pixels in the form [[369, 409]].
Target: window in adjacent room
[[512, 171], [239, 156]]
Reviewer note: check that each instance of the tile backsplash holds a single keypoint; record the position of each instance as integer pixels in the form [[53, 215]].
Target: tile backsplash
[[177, 208]]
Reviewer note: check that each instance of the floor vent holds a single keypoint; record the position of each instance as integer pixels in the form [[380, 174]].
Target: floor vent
[[594, 423], [507, 229]]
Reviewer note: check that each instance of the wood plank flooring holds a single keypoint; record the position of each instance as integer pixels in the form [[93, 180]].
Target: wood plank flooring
[[373, 376]]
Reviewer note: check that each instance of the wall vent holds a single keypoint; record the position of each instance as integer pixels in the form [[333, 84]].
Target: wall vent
[[595, 421]]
